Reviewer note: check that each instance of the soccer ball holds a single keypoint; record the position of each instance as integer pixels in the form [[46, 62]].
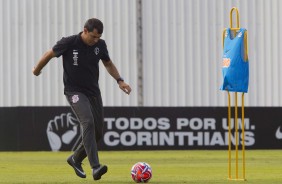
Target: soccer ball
[[141, 172]]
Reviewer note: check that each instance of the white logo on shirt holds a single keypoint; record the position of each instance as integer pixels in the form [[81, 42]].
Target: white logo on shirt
[[96, 50], [226, 34], [75, 57]]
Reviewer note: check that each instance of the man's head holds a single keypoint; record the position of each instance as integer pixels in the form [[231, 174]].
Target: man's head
[[92, 31], [94, 23]]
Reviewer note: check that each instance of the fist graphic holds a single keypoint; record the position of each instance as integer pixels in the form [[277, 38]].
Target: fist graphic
[[62, 130]]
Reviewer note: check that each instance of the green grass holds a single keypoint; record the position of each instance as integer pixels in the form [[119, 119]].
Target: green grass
[[169, 167]]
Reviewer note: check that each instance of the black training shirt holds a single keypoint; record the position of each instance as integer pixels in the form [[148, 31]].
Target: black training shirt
[[80, 62]]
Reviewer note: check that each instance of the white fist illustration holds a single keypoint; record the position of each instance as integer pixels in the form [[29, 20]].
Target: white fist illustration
[[62, 129]]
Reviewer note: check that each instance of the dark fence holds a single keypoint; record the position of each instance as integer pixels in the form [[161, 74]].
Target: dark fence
[[139, 128]]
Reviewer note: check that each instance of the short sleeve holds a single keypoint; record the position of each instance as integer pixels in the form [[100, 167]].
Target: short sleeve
[[105, 55], [62, 45]]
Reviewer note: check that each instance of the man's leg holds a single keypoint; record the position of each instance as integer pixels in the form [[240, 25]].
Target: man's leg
[[79, 154], [81, 106], [98, 114]]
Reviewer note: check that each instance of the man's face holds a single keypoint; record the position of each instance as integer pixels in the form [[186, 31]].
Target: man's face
[[91, 37]]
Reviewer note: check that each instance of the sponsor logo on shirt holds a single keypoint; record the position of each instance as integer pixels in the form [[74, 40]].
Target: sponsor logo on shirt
[[75, 57], [226, 62]]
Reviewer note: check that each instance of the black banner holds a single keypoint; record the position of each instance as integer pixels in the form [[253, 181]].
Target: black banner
[[140, 128]]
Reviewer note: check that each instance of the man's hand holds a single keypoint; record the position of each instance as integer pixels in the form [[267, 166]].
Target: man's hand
[[36, 72], [111, 68], [124, 87], [43, 61]]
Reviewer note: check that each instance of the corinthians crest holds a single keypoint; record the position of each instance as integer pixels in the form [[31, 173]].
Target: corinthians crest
[[96, 50]]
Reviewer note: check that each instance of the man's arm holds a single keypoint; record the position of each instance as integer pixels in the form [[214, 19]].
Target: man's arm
[[43, 61], [112, 70]]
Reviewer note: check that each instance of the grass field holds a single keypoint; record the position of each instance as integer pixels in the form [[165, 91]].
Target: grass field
[[169, 167]]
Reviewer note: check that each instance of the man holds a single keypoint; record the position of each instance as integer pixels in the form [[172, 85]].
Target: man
[[81, 55]]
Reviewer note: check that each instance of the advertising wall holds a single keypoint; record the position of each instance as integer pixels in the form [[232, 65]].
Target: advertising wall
[[139, 128]]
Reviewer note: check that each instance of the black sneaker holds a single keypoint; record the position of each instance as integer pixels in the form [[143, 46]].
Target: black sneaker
[[77, 167], [97, 173]]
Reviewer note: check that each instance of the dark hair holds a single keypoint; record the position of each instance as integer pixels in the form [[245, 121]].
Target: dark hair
[[94, 23]]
